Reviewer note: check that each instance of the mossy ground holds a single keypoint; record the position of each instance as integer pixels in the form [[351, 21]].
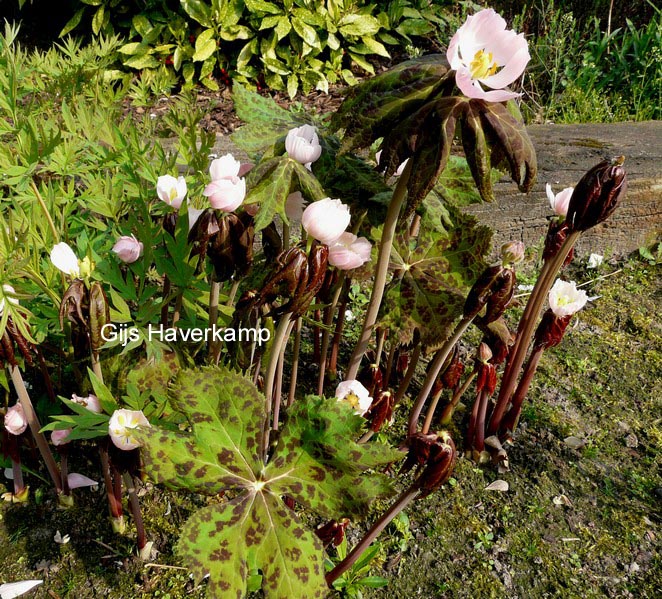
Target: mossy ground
[[574, 522]]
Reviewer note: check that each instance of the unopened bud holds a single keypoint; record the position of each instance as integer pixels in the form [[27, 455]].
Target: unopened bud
[[75, 304], [380, 410], [597, 195], [99, 315], [556, 236], [332, 532], [512, 253], [371, 377], [551, 329]]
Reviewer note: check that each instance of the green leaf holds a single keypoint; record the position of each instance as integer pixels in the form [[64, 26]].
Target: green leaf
[[73, 22], [142, 61], [270, 191], [306, 33], [316, 461], [414, 27], [263, 6], [197, 10], [456, 183], [376, 47], [252, 107], [205, 45], [432, 276], [358, 25], [98, 20]]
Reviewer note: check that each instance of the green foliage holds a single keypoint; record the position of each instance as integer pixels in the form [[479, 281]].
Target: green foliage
[[358, 577], [315, 462], [432, 273], [288, 45]]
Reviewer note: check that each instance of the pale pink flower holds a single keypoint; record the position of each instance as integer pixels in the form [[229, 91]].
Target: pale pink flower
[[484, 53], [349, 252], [64, 259], [7, 292], [226, 194], [15, 420], [76, 481], [400, 168], [224, 167], [560, 201], [128, 248], [91, 402], [354, 393], [193, 216], [565, 299], [60, 437], [326, 219], [122, 426], [302, 145], [294, 206], [170, 190]]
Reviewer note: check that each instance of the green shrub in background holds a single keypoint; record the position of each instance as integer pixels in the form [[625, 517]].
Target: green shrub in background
[[286, 45]]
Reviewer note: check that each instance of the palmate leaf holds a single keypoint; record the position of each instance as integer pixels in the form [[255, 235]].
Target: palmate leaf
[[433, 273], [316, 462]]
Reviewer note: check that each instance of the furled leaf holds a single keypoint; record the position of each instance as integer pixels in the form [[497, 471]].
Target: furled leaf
[[433, 273], [316, 462]]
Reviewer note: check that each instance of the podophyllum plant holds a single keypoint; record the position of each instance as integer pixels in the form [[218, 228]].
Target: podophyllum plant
[[214, 412]]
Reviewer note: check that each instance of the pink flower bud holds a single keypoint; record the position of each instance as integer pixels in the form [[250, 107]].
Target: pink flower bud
[[560, 201], [512, 252], [170, 190], [484, 53], [302, 145], [226, 194], [60, 437], [91, 402], [349, 252], [15, 420], [224, 167], [326, 219], [128, 248]]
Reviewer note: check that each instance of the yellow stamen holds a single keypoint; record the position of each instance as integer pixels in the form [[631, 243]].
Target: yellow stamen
[[353, 400], [482, 65]]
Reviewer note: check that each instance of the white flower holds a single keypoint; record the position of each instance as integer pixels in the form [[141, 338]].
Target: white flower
[[9, 291], [170, 190], [302, 145], [565, 299], [226, 194], [355, 394], [349, 252], [11, 590], [193, 216], [224, 167], [484, 52], [594, 260], [61, 540], [15, 420], [123, 423], [64, 259], [326, 219], [560, 201], [349, 315]]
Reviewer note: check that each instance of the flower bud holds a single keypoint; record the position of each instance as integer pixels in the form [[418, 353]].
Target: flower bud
[[326, 219], [436, 455], [226, 194], [225, 166], [60, 437], [550, 331], [494, 288], [380, 410], [451, 376], [99, 315], [512, 253], [556, 236], [597, 195], [75, 304], [302, 145], [15, 420], [332, 532], [128, 248], [560, 201]]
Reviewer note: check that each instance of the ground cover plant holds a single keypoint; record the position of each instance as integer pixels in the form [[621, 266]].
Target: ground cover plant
[[131, 269]]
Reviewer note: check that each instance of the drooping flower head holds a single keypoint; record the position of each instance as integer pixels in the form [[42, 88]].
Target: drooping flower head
[[303, 145], [560, 201], [128, 248], [122, 426], [326, 219], [170, 190], [15, 420], [565, 299], [60, 437], [355, 394], [64, 259], [349, 252], [484, 53]]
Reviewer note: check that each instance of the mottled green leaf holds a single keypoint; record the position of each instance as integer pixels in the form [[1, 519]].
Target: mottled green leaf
[[433, 273], [270, 191], [456, 184], [476, 152]]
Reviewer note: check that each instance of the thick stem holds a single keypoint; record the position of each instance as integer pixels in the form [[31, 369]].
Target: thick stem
[[35, 427], [278, 387], [381, 271], [17, 472], [510, 420], [114, 506], [479, 433], [381, 339], [326, 332], [400, 504], [409, 375], [232, 294], [431, 410], [134, 505], [64, 469], [526, 329], [295, 362], [447, 414], [389, 363], [433, 371], [317, 350]]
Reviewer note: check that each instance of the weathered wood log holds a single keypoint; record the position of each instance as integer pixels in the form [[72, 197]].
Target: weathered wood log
[[565, 153]]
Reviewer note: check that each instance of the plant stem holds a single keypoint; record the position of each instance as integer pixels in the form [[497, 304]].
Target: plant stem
[[409, 375], [434, 369], [134, 505], [279, 377], [400, 504], [447, 414], [166, 301], [381, 271], [526, 329], [35, 427], [332, 369], [389, 363], [114, 506], [40, 199], [295, 362], [214, 291], [509, 422], [431, 410], [326, 334]]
